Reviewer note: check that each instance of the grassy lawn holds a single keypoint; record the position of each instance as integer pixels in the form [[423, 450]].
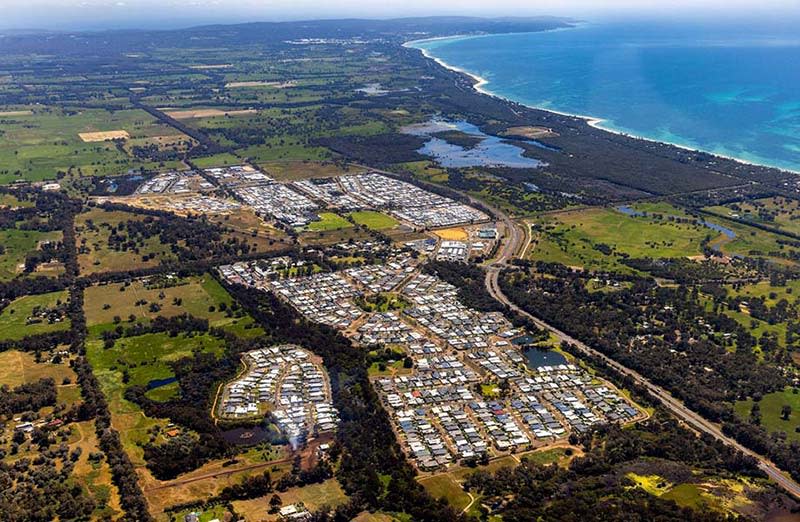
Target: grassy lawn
[[329, 221], [771, 405], [445, 487], [14, 318], [687, 495], [17, 244], [374, 220], [765, 290]]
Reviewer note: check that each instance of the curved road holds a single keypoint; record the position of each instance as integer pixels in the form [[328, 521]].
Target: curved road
[[515, 237]]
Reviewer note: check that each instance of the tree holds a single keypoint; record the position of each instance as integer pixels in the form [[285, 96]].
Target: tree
[[275, 503], [786, 412]]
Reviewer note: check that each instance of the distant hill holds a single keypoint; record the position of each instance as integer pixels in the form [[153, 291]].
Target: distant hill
[[272, 33]]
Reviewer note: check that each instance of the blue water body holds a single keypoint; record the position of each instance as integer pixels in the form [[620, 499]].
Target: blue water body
[[537, 358], [492, 151], [158, 383], [731, 89]]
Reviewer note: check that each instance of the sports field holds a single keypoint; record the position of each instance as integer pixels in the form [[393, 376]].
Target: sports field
[[329, 221]]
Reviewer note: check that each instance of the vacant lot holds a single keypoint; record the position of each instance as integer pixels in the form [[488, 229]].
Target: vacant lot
[[94, 227], [201, 296], [297, 170], [374, 220], [313, 496], [452, 234], [20, 367], [207, 113], [19, 319]]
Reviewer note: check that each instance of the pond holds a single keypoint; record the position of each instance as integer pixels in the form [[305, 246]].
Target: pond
[[246, 436], [491, 151], [157, 383], [537, 357]]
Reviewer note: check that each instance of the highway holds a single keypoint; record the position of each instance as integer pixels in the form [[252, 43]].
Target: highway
[[511, 248]]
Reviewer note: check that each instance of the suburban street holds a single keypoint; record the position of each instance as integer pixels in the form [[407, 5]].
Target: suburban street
[[510, 249]]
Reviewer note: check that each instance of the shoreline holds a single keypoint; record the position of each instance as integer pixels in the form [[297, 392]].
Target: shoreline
[[593, 121]]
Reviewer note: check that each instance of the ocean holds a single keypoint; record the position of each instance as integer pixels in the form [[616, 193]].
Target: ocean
[[730, 89]]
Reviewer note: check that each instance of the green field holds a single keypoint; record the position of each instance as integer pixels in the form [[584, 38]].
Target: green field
[[574, 238], [445, 487], [776, 212], [770, 406], [329, 221], [146, 357], [11, 201], [194, 296], [17, 244], [94, 253], [38, 145], [374, 220], [142, 358], [14, 318]]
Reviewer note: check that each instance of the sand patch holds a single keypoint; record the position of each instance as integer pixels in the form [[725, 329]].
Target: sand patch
[[452, 234], [530, 132], [90, 137], [15, 113], [207, 113], [212, 66], [274, 85]]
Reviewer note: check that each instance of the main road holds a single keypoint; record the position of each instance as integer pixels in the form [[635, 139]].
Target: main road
[[512, 247]]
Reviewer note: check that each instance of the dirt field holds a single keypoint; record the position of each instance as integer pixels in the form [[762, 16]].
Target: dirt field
[[162, 142], [452, 234], [312, 496], [20, 367], [91, 137], [530, 132], [297, 170], [275, 85], [15, 113], [207, 113]]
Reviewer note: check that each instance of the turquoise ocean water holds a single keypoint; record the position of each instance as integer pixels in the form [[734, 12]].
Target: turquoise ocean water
[[731, 89]]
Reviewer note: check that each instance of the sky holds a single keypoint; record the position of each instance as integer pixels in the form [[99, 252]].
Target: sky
[[147, 14]]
